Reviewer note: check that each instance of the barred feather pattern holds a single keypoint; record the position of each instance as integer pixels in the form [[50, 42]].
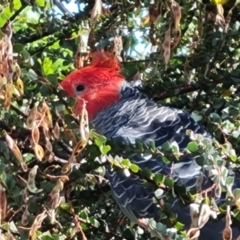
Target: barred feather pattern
[[137, 118]]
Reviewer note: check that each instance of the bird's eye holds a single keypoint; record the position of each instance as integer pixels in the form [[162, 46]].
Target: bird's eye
[[80, 88]]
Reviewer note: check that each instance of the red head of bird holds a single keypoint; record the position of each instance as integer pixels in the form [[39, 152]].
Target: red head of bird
[[98, 85]]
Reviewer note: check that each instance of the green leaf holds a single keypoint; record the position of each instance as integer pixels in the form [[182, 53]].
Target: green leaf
[[83, 214], [192, 146], [126, 163], [215, 117], [161, 228], [166, 146], [105, 149], [65, 206], [47, 66], [174, 146], [140, 146], [18, 48], [166, 160], [32, 75], [230, 180], [94, 222], [152, 145], [41, 3], [218, 102], [53, 79], [168, 182], [134, 168], [50, 237], [6, 12], [99, 139], [236, 193], [26, 55], [236, 133], [236, 214], [158, 193], [232, 155], [179, 226], [71, 102], [146, 172], [46, 91], [196, 116], [159, 178]]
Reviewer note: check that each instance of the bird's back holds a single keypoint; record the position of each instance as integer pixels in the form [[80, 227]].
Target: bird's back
[[136, 118]]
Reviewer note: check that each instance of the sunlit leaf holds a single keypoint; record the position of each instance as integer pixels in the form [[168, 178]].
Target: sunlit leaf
[[158, 193], [32, 116], [47, 120], [31, 185], [84, 126], [37, 224], [79, 147], [227, 233], [159, 178], [65, 206], [134, 168], [56, 131], [192, 146], [68, 166], [193, 233], [39, 152], [204, 214], [49, 145], [20, 86], [126, 163], [8, 95], [105, 149], [99, 139], [35, 134], [15, 150]]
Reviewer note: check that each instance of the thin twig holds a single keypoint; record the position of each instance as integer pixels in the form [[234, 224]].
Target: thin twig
[[4, 126], [18, 111], [184, 89]]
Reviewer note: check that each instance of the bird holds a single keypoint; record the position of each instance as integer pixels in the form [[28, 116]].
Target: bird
[[122, 113]]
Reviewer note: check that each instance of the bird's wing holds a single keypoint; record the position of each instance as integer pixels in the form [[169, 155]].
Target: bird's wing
[[151, 123], [139, 119], [158, 124]]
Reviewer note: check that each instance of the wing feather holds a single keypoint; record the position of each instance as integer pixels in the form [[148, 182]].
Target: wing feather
[[136, 118]]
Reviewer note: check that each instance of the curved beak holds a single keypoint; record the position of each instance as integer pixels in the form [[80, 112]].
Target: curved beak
[[66, 86]]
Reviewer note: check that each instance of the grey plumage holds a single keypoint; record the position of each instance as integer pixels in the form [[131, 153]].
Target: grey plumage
[[137, 118]]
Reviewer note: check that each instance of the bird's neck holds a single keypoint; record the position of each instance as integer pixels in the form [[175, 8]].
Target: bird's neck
[[113, 117], [103, 101]]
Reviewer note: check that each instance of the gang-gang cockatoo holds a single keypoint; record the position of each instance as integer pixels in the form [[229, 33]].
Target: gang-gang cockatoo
[[121, 112]]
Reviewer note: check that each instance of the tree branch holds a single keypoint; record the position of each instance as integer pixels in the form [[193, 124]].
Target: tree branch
[[15, 14], [70, 26], [4, 126], [18, 111], [184, 89]]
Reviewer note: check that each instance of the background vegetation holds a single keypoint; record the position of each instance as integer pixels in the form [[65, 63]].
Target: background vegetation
[[187, 55]]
